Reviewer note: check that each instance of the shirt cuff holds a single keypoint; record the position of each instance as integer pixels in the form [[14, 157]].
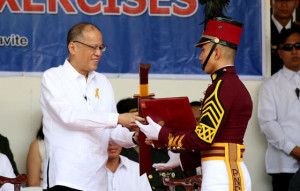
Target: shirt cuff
[[289, 146]]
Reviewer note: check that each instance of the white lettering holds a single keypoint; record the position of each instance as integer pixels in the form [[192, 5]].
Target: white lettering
[[13, 40]]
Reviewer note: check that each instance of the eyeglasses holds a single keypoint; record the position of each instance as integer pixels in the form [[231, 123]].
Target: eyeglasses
[[289, 47], [102, 47]]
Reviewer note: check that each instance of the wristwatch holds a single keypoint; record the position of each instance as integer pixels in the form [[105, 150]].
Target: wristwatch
[[133, 140]]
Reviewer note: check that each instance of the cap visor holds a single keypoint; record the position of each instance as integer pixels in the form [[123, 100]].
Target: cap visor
[[202, 41]]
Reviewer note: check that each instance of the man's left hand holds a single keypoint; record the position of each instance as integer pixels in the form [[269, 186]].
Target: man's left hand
[[151, 130]]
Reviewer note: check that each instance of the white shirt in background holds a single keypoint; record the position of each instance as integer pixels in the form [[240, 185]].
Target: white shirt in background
[[279, 119], [127, 177]]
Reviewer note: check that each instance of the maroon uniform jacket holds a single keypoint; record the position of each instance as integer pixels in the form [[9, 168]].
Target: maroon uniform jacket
[[226, 110]]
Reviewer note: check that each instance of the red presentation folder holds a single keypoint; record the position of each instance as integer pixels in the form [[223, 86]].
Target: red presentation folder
[[173, 112]]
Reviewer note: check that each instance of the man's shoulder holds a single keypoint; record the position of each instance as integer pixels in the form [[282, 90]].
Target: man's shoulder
[[232, 87], [130, 165], [53, 70], [99, 75], [276, 76], [127, 161], [272, 81], [231, 81], [101, 78]]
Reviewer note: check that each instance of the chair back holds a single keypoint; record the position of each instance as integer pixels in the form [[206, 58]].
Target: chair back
[[190, 183], [17, 182]]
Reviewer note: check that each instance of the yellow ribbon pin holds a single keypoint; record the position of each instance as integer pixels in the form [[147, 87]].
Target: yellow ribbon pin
[[97, 93]]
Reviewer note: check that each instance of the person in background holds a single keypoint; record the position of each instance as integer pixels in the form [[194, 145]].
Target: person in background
[[196, 106], [124, 174], [6, 170], [35, 158], [5, 149], [80, 117], [278, 113], [158, 155], [281, 19]]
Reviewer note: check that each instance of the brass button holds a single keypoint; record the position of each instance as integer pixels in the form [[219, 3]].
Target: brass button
[[274, 47], [173, 174], [214, 76]]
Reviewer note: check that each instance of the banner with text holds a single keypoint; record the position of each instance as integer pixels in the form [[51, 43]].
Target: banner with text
[[33, 34]]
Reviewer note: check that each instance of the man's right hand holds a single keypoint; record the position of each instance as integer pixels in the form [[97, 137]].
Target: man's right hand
[[128, 120], [296, 153]]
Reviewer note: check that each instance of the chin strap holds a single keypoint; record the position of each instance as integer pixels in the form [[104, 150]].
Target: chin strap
[[215, 41]]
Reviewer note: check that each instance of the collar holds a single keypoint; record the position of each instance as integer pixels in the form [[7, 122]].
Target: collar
[[289, 74], [279, 26], [226, 69], [73, 73], [123, 162]]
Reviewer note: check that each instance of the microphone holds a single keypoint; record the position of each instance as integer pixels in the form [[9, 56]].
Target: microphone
[[297, 92]]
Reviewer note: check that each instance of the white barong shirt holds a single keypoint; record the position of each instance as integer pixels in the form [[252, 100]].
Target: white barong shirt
[[79, 121], [279, 120]]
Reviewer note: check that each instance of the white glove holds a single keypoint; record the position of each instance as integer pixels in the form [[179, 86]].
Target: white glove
[[172, 163], [151, 130]]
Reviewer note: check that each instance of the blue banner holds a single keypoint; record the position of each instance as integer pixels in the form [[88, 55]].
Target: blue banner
[[33, 34]]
